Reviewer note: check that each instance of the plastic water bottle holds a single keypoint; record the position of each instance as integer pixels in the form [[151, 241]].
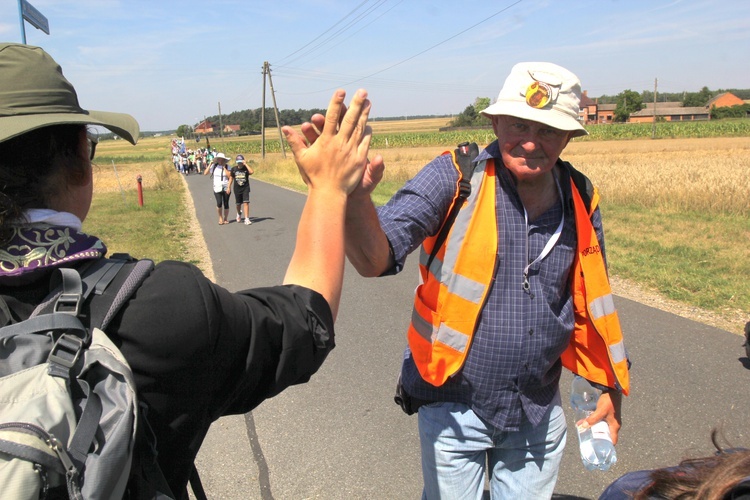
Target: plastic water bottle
[[597, 450]]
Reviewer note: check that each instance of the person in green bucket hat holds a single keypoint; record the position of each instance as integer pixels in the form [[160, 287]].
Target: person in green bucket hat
[[197, 351]]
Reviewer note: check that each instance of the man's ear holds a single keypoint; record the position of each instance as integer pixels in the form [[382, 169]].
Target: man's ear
[[567, 141]]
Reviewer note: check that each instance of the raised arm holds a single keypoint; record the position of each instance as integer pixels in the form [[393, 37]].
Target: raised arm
[[366, 244], [331, 167]]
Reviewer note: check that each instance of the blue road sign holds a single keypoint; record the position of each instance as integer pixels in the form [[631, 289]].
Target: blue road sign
[[33, 16]]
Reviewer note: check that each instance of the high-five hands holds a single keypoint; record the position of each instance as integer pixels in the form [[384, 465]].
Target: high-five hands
[[332, 163], [373, 173], [336, 157]]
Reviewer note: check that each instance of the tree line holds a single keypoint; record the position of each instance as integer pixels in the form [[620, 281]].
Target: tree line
[[250, 120], [628, 101]]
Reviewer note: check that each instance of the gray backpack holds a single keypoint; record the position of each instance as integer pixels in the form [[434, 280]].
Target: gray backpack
[[68, 408]]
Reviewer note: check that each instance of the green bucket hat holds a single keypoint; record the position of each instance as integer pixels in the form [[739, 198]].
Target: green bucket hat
[[35, 94]]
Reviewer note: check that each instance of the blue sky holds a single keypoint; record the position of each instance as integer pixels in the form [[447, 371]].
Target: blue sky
[[172, 62]]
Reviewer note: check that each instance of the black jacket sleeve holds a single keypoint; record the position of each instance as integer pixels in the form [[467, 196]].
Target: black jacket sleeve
[[199, 352]]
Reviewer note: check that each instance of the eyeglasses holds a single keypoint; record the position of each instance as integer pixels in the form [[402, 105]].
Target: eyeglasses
[[93, 140]]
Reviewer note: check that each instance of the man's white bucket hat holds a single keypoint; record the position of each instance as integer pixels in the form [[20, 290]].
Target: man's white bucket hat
[[541, 92]]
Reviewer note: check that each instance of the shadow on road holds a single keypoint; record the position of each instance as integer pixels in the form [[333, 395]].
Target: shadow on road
[[555, 496]]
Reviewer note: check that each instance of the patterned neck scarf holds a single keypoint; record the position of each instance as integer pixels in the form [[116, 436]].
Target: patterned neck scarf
[[40, 247]]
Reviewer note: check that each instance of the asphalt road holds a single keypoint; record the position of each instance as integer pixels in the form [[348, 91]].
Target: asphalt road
[[340, 436]]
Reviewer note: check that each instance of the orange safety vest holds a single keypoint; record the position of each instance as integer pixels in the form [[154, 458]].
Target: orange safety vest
[[448, 302]]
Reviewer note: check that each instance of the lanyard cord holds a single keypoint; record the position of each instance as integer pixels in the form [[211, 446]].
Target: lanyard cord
[[550, 243]]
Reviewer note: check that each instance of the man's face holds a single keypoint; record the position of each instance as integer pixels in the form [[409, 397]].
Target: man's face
[[529, 149]]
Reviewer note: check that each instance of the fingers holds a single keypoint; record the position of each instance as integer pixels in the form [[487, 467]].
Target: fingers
[[309, 131], [607, 410], [355, 119], [295, 140], [376, 168], [314, 127], [333, 114], [318, 120], [362, 138]]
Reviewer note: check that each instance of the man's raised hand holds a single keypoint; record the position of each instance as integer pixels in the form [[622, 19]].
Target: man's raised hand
[[336, 156]]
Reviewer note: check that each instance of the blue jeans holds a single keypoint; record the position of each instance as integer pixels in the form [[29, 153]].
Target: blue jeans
[[457, 446]]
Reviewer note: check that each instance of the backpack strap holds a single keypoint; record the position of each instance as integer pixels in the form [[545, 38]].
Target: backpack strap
[[5, 317], [137, 273], [75, 290], [96, 279], [464, 157]]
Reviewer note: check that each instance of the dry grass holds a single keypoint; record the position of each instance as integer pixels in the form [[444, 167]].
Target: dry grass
[[109, 178], [118, 164], [415, 125], [710, 175], [679, 174]]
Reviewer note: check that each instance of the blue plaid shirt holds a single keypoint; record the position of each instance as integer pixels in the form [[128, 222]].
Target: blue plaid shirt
[[513, 366]]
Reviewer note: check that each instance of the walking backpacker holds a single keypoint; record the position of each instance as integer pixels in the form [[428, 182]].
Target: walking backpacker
[[69, 414]]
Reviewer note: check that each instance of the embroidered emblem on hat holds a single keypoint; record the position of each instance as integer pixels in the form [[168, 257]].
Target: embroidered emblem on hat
[[538, 94]]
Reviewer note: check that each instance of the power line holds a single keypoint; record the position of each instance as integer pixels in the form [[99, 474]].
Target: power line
[[295, 73], [322, 34], [351, 35], [340, 31], [419, 53]]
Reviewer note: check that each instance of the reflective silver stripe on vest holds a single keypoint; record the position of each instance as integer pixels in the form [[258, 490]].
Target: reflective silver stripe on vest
[[466, 288], [618, 352], [436, 268], [461, 223], [452, 338], [423, 327], [602, 306], [444, 334]]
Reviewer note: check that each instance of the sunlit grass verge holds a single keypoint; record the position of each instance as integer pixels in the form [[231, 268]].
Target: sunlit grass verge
[[157, 230], [694, 257]]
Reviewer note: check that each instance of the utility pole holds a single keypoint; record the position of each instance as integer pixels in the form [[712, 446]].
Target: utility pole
[[263, 115], [205, 133], [267, 72], [653, 127], [276, 112], [221, 126]]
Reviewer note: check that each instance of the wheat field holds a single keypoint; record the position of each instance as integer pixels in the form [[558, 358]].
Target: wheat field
[[697, 174], [710, 175]]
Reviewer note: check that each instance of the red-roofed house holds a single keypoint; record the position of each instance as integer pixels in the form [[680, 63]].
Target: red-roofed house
[[725, 100], [205, 127]]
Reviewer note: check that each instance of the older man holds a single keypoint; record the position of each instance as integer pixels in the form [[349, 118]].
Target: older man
[[517, 290]]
